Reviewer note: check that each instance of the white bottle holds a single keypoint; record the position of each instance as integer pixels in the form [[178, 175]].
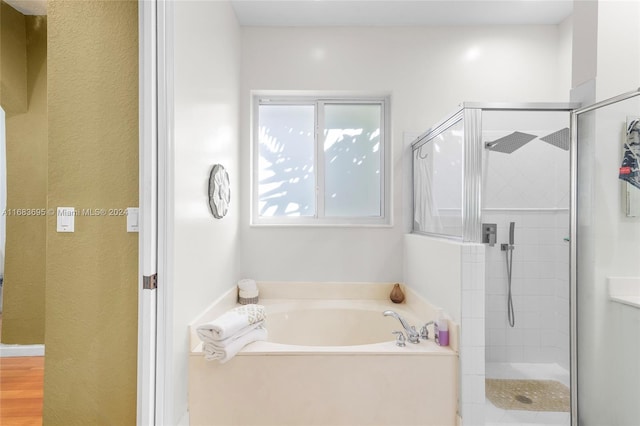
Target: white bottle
[[442, 329]]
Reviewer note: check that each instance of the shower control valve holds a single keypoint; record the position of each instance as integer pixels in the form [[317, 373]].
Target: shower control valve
[[489, 233]]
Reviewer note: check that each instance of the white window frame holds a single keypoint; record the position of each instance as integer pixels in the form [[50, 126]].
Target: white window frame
[[385, 218]]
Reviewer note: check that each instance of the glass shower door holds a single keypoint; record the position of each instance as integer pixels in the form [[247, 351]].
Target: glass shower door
[[606, 258]]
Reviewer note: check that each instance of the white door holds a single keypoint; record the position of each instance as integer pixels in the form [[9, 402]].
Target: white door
[[148, 213], [156, 196]]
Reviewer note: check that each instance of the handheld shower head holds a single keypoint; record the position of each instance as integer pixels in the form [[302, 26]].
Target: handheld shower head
[[512, 228]]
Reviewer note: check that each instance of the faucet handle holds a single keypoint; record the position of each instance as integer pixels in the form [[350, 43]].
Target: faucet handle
[[414, 337], [424, 331], [400, 339]]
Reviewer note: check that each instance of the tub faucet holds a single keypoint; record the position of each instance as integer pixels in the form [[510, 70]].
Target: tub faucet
[[412, 334]]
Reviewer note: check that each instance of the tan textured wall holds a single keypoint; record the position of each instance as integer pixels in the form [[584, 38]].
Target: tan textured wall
[[24, 272], [91, 297], [13, 66]]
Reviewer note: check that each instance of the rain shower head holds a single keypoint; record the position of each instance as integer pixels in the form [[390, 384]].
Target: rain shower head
[[510, 143], [560, 139]]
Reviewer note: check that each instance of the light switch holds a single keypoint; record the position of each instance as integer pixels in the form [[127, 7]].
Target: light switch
[[133, 219], [66, 219]]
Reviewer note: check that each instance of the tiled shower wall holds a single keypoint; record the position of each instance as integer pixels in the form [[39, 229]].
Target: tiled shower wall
[[540, 288], [531, 188], [472, 338]]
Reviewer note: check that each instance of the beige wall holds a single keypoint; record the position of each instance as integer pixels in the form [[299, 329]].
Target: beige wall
[[13, 65], [26, 154], [91, 294]]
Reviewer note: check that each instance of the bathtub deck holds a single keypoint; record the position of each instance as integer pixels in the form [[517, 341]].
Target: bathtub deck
[[383, 348]]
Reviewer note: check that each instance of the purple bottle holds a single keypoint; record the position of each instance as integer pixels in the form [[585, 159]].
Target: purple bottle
[[442, 330]]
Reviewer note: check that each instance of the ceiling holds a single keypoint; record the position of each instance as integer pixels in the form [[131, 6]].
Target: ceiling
[[380, 12]]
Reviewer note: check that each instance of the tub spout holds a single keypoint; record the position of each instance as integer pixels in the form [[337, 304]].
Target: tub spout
[[412, 334]]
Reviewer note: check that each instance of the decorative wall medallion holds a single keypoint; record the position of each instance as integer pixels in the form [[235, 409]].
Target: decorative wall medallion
[[219, 191]]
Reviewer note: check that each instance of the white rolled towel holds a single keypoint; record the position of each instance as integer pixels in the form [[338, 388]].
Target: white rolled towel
[[248, 294], [225, 353], [247, 285], [231, 322]]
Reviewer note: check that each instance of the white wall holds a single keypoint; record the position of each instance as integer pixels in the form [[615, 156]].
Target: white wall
[[565, 56], [585, 39], [433, 268], [207, 68], [604, 34], [618, 35], [427, 71]]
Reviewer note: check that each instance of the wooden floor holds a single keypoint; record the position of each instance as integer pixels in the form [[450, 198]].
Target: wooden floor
[[21, 389]]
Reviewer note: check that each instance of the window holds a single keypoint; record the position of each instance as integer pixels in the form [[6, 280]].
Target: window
[[320, 161]]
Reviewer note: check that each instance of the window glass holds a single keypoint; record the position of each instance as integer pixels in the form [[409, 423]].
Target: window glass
[[286, 176], [320, 161], [352, 160]]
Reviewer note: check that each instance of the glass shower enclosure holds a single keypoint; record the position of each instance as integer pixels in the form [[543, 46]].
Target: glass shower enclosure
[[499, 174], [605, 256]]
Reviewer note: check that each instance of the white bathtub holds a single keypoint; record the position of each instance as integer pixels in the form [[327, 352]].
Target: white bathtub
[[331, 323], [327, 362]]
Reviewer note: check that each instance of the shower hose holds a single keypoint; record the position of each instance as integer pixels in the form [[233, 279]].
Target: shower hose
[[510, 312]]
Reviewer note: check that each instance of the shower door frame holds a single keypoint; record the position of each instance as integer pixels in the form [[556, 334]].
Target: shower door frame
[[570, 108], [573, 244], [471, 115]]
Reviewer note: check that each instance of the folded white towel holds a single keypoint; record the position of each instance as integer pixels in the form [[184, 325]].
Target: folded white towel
[[229, 340], [247, 285], [231, 322], [224, 354], [248, 294]]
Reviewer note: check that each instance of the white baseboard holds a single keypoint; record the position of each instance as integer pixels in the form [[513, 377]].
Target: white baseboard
[[21, 350]]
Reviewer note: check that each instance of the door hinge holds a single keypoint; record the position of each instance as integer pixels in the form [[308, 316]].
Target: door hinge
[[150, 282]]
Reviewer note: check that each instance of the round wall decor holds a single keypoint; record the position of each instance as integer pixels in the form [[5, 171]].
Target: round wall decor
[[219, 191]]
